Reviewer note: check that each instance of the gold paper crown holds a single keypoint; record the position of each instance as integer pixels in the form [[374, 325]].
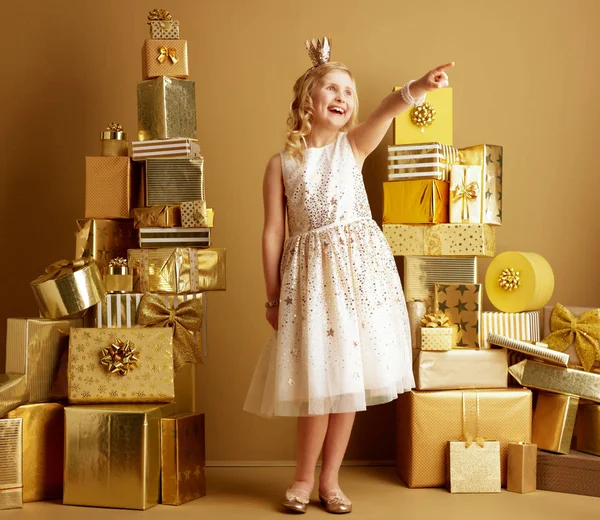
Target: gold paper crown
[[159, 15], [319, 50]]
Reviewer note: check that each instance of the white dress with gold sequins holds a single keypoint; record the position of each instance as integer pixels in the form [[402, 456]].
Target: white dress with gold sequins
[[343, 341]]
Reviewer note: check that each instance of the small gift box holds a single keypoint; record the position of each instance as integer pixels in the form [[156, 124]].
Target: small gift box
[[415, 202], [162, 25], [175, 237], [165, 58], [554, 421], [437, 333], [68, 287], [194, 214], [121, 366], [113, 141], [587, 429], [421, 161], [182, 458], [164, 148], [462, 303], [529, 350], [13, 392], [522, 467], [166, 109], [11, 464], [523, 326], [117, 278], [172, 181], [474, 467], [466, 206], [166, 215]]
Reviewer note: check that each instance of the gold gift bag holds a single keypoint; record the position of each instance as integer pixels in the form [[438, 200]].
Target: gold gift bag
[[11, 464], [165, 58], [462, 302], [415, 202], [522, 467], [554, 421]]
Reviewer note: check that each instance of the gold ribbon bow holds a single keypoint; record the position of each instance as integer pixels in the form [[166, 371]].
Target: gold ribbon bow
[[465, 192], [115, 127], [566, 329], [436, 320], [480, 441], [120, 358], [164, 52], [158, 15], [62, 268], [185, 320]]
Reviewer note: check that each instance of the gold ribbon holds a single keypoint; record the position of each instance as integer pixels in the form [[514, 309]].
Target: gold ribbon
[[164, 52], [62, 268], [470, 438], [120, 358], [435, 320], [118, 262], [465, 192], [566, 329], [423, 116], [185, 320], [509, 279], [158, 15]]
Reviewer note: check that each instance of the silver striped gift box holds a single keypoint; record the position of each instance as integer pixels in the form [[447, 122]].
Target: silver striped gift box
[[11, 463], [421, 161], [164, 148], [174, 237], [171, 181]]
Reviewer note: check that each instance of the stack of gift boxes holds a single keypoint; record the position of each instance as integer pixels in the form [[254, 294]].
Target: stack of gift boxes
[[467, 426], [107, 371]]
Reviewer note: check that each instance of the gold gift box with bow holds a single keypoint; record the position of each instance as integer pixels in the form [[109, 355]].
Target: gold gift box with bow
[[11, 464], [162, 25], [415, 202], [165, 215], [165, 58], [467, 200], [121, 366]]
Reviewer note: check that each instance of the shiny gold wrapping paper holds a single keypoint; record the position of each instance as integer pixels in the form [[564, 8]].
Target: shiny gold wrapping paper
[[421, 161], [522, 467], [171, 181], [114, 148], [524, 326], [43, 448], [166, 108], [461, 368], [167, 215], [112, 187], [118, 283], [69, 290], [104, 240], [441, 239], [489, 157], [427, 421], [175, 270], [554, 421], [36, 348], [565, 381], [175, 237], [415, 202], [473, 468], [183, 458], [165, 49], [466, 197], [11, 464], [151, 382], [462, 303], [576, 473], [587, 428], [437, 339], [112, 455], [13, 392]]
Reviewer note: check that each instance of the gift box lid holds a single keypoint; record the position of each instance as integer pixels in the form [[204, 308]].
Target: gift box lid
[[574, 459]]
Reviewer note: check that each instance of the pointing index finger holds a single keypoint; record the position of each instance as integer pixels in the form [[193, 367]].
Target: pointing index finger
[[444, 67]]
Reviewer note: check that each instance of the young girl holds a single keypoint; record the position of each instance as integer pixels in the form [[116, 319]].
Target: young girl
[[342, 338]]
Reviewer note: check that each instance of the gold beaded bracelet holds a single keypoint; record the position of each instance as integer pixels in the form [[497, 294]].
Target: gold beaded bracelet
[[272, 303]]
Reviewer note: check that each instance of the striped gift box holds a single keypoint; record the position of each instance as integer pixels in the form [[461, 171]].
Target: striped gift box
[[171, 181], [11, 463], [421, 161], [523, 326], [164, 148], [174, 237]]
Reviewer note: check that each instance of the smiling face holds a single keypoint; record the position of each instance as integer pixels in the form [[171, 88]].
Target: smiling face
[[333, 100]]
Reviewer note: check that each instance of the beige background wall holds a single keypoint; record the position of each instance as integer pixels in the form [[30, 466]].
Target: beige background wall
[[526, 77]]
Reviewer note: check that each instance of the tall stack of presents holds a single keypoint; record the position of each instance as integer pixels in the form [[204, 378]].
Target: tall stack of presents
[[97, 402]]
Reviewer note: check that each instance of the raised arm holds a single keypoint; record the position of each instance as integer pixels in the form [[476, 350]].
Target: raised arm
[[365, 137]]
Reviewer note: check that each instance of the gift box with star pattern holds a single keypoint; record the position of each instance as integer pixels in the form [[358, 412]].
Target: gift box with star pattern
[[462, 302]]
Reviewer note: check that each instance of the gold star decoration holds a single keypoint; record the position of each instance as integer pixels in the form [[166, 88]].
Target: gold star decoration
[[120, 358]]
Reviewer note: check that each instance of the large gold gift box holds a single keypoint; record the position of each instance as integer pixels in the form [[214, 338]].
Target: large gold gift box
[[587, 429], [11, 464], [37, 348], [13, 392], [427, 421], [102, 366], [165, 58], [554, 421], [177, 270], [522, 467], [166, 108], [473, 468], [182, 458], [415, 202], [441, 239], [462, 303], [112, 455], [166, 215], [43, 448], [112, 187]]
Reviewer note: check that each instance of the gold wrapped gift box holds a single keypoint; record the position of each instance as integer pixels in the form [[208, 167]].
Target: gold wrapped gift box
[[164, 29], [587, 429], [554, 421], [166, 108], [13, 392], [113, 142], [441, 239], [437, 339], [166, 215], [467, 200], [43, 448], [473, 467], [415, 202], [99, 373], [175, 237], [165, 148], [11, 464], [427, 421], [522, 467], [165, 58], [195, 214], [524, 326], [37, 348], [171, 181], [462, 303], [183, 458]]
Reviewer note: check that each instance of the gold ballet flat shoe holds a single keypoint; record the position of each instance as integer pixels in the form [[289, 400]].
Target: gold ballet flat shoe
[[336, 502], [296, 500]]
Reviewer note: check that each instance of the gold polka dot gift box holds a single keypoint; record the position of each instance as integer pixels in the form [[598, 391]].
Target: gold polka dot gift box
[[162, 25], [165, 58]]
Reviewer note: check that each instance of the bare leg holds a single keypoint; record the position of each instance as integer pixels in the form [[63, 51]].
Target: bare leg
[[334, 448], [311, 433]]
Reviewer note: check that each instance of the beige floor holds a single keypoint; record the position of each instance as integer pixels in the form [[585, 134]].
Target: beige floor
[[248, 493]]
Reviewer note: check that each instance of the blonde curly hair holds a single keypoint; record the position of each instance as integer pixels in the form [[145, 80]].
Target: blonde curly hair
[[299, 122]]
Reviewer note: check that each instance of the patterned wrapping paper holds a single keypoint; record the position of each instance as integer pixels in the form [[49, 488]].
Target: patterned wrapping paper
[[415, 202], [164, 29], [462, 303], [195, 214], [441, 129], [11, 464], [554, 421], [489, 157], [104, 240], [165, 215], [466, 199], [120, 445], [166, 108], [421, 161], [165, 58], [43, 433], [587, 429], [474, 468], [575, 473], [524, 326], [522, 467], [13, 392], [178, 270], [421, 273], [461, 369], [437, 339], [183, 458], [171, 181], [427, 421], [441, 239], [164, 148], [175, 237], [90, 381], [112, 187], [36, 348]]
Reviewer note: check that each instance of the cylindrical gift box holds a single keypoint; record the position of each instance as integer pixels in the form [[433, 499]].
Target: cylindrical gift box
[[117, 279], [114, 144]]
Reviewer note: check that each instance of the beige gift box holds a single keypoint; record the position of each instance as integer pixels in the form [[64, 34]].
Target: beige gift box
[[165, 58]]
